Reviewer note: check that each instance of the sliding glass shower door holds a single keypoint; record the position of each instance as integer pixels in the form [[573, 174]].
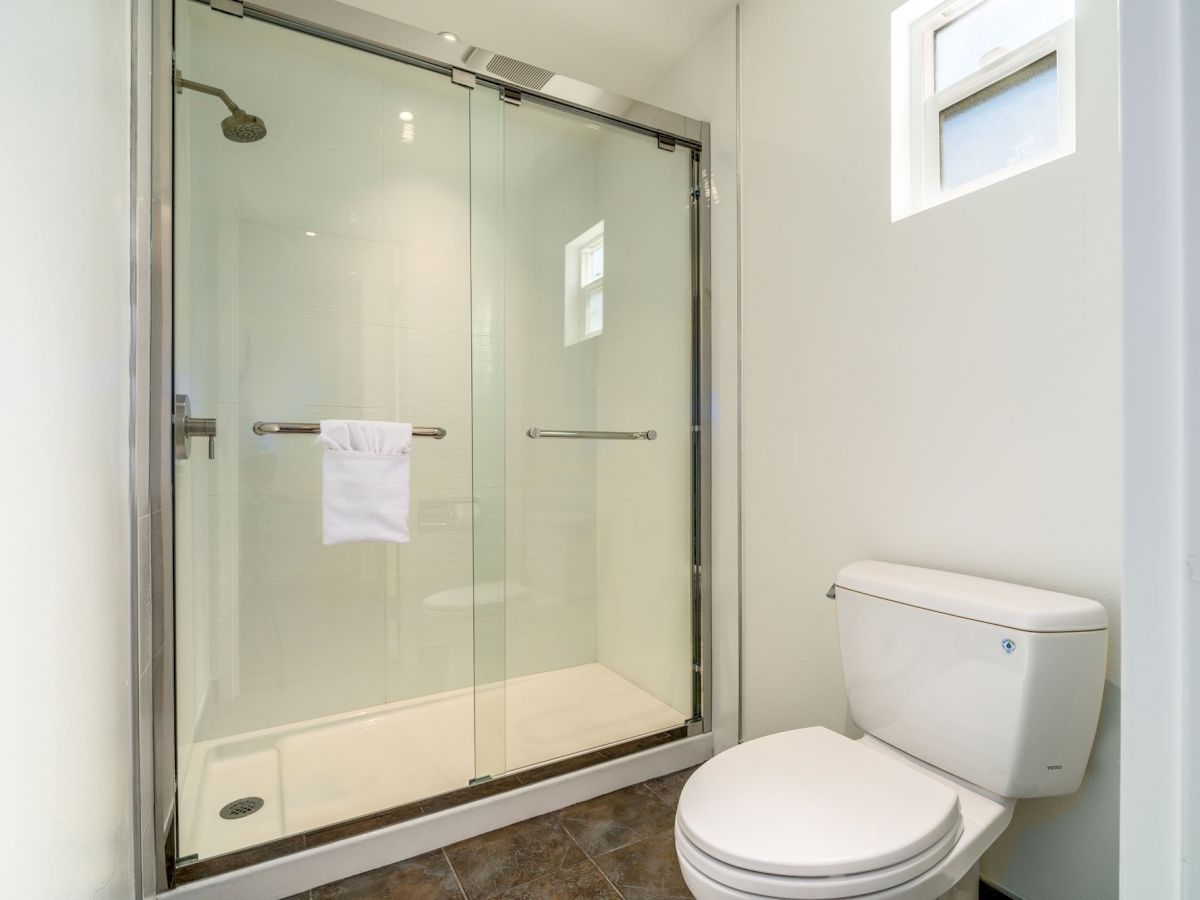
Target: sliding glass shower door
[[515, 280], [583, 361], [322, 272]]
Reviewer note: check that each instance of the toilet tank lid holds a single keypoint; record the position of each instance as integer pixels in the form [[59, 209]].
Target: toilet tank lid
[[995, 602]]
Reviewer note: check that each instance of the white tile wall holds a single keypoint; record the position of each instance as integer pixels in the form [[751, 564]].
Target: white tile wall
[[550, 486], [597, 536], [644, 380]]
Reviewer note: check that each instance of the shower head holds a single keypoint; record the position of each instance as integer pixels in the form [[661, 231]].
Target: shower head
[[239, 127], [243, 128]]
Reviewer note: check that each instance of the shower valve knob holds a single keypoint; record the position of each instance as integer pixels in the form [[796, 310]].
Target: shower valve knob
[[188, 426], [193, 427]]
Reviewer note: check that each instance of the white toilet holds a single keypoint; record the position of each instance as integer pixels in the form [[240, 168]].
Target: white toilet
[[972, 694]]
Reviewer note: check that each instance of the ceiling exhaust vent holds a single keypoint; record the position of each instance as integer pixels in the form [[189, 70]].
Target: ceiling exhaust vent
[[522, 73]]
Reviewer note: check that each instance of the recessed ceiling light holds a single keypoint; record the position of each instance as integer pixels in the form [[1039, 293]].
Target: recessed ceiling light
[[311, 233], [406, 116], [449, 36]]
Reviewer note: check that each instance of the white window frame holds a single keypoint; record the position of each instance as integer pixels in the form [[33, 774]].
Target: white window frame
[[590, 288], [576, 291], [917, 105], [585, 253], [593, 288]]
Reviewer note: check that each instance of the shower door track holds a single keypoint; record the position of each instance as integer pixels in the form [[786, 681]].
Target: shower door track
[[404, 43], [394, 40]]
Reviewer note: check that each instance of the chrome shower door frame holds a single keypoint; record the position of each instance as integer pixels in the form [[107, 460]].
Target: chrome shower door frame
[[702, 467], [386, 37], [347, 25]]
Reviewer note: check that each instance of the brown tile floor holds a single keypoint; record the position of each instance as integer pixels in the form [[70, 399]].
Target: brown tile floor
[[614, 846]]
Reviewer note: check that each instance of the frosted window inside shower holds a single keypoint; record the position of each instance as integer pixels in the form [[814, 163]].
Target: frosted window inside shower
[[593, 313], [583, 297], [977, 37], [1013, 120]]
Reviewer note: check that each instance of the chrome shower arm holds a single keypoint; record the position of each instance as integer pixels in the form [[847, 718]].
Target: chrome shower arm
[[181, 83]]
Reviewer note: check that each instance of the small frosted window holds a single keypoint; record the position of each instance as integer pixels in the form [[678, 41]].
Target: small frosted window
[[1013, 120], [583, 286], [593, 315], [982, 90], [990, 30]]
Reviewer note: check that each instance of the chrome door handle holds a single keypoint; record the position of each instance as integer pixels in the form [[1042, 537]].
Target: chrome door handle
[[187, 427], [650, 435]]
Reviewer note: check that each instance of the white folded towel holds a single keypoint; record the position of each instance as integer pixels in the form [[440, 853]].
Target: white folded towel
[[364, 488]]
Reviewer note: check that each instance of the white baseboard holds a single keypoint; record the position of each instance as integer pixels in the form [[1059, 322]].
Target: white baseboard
[[308, 869]]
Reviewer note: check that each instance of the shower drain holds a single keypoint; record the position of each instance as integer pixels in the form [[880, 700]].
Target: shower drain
[[241, 807]]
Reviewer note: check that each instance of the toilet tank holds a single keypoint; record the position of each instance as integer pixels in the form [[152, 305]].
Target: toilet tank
[[995, 683]]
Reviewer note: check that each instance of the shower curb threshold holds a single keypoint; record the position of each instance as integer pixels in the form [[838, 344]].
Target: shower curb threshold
[[310, 868]]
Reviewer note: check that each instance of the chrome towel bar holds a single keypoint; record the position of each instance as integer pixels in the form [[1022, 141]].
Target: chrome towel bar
[[315, 428], [597, 435]]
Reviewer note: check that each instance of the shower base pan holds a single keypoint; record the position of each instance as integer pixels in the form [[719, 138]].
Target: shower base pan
[[319, 772]]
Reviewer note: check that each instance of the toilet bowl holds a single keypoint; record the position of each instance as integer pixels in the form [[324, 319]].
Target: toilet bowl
[[812, 815], [972, 693]]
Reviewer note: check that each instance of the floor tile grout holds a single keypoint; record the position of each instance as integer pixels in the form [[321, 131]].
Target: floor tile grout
[[513, 887], [636, 839], [607, 880], [651, 789], [591, 859], [614, 823], [647, 837], [454, 872], [574, 841]]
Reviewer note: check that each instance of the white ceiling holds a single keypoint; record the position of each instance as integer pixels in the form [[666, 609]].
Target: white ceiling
[[622, 45]]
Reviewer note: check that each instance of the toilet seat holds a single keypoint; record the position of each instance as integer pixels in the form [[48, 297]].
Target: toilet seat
[[813, 814], [744, 883]]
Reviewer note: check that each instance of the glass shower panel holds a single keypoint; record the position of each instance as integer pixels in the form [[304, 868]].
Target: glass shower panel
[[322, 272], [597, 336]]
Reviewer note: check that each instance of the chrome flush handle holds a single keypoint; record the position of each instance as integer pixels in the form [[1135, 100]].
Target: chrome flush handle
[[187, 427]]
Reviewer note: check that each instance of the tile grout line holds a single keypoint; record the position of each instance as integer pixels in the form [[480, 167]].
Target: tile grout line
[[637, 837], [513, 887], [626, 847], [661, 798], [607, 880], [587, 856], [573, 839], [454, 872]]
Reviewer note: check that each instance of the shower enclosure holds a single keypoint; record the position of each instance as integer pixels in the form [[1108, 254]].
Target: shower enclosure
[[518, 277]]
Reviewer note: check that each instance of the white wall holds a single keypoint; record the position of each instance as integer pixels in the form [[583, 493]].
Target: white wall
[[943, 391], [64, 470]]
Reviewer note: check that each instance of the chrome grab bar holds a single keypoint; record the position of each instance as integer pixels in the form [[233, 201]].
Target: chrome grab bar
[[597, 435], [315, 428]]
